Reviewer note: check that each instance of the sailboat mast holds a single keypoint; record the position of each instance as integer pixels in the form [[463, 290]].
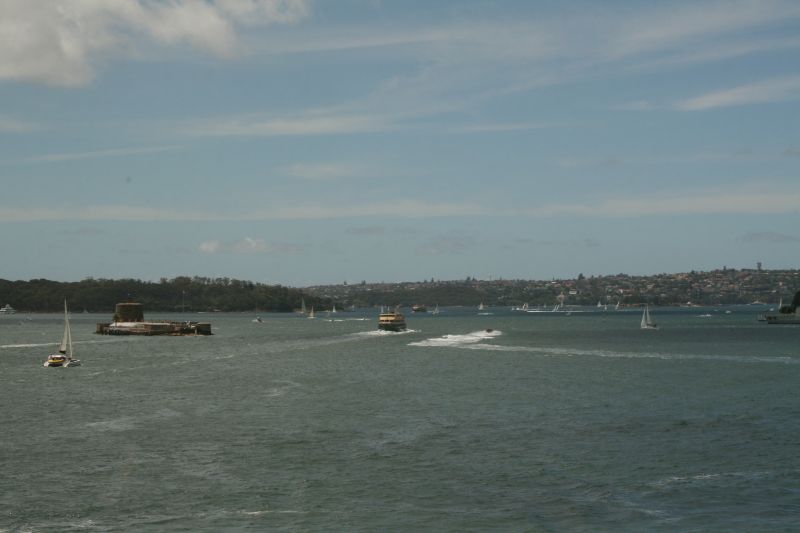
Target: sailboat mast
[[68, 330]]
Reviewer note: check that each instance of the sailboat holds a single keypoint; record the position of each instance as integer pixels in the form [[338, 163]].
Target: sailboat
[[64, 355], [647, 322], [481, 307], [303, 305], [311, 314], [435, 310]]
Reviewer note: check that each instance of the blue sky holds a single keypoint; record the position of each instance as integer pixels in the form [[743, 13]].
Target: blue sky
[[308, 141]]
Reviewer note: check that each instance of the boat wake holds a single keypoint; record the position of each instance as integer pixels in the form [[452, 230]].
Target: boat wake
[[37, 345], [382, 333], [575, 352], [43, 344], [459, 340]]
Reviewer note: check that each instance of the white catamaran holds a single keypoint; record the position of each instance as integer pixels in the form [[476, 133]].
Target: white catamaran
[[647, 322], [64, 357]]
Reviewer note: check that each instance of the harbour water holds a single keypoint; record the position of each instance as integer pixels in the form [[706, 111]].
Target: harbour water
[[547, 423]]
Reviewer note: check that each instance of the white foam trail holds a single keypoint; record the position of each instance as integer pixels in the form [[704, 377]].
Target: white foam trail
[[43, 344], [382, 333], [38, 345], [700, 478], [459, 340], [571, 352]]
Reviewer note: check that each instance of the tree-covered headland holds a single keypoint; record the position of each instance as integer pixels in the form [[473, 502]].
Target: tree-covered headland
[[177, 294]]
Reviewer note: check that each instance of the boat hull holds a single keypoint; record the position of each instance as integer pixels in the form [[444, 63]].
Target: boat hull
[[393, 327], [55, 361], [782, 319]]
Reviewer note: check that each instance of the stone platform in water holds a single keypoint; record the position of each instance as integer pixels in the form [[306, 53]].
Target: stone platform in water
[[129, 320]]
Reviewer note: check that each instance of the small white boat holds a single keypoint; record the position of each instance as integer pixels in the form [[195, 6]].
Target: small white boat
[[647, 322], [64, 357], [7, 309], [311, 313]]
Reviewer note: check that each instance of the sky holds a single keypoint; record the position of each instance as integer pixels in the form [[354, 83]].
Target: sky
[[304, 142]]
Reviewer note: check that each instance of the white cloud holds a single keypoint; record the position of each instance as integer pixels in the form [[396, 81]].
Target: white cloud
[[247, 245], [59, 43], [772, 90], [210, 247]]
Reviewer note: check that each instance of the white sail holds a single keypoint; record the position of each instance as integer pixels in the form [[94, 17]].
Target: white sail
[[66, 338], [303, 305], [311, 314], [647, 322]]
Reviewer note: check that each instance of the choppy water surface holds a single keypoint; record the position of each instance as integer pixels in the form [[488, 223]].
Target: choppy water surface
[[546, 423]]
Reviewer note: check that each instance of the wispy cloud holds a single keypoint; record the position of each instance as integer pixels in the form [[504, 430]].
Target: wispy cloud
[[13, 125], [636, 105], [309, 123], [697, 203], [98, 154], [737, 201], [324, 171], [498, 127], [768, 237], [588, 242], [691, 26], [59, 43], [397, 209], [247, 245], [446, 245], [374, 231], [772, 90]]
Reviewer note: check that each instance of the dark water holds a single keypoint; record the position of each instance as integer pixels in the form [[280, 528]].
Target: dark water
[[549, 423]]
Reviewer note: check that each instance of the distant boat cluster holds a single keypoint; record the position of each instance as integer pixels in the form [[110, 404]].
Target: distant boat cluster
[[129, 320]]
